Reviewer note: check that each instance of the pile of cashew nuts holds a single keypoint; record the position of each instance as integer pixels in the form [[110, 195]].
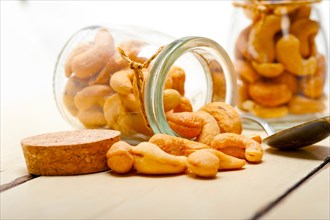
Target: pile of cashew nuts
[[277, 60], [210, 141]]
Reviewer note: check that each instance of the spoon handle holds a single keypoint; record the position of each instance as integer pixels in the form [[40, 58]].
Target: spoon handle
[[267, 128]]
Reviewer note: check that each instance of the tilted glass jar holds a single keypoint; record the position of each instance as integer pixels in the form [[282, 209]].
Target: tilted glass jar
[[126, 78], [280, 53]]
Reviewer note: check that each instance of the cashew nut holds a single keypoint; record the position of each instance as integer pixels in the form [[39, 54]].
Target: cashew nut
[[203, 163], [92, 118], [241, 46], [186, 124], [219, 86], [227, 162], [90, 96], [269, 93], [150, 159], [80, 48], [121, 81], [73, 85], [290, 80], [210, 128], [288, 53], [246, 71], [226, 115], [253, 150], [266, 112], [312, 86], [178, 77], [114, 64], [171, 98], [261, 39], [120, 158], [268, 70], [302, 12], [184, 106], [175, 145], [113, 109], [305, 30], [130, 102], [303, 105], [93, 60]]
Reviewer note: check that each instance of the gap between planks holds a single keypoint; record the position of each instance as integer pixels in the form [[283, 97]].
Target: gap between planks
[[273, 203]]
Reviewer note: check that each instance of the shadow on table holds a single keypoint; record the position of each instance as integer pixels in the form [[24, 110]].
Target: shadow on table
[[314, 152]]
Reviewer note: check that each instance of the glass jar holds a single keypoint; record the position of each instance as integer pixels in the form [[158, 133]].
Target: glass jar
[[126, 78], [280, 55]]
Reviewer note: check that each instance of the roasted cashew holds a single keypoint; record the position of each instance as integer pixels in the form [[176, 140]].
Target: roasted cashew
[[90, 96], [150, 159], [72, 86], [302, 105], [261, 39], [80, 48], [288, 53], [130, 102], [92, 118], [290, 80], [270, 94], [226, 115], [93, 60], [120, 158], [302, 12], [203, 163], [268, 70], [305, 30], [284, 10], [178, 77], [321, 66], [132, 122], [210, 128], [265, 112], [219, 86], [253, 150], [241, 45], [243, 94], [114, 64], [113, 109], [227, 162], [312, 86], [246, 71], [121, 81], [184, 106], [175, 145], [171, 98], [186, 124]]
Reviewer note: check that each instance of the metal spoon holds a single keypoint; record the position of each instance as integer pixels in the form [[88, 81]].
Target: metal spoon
[[295, 137]]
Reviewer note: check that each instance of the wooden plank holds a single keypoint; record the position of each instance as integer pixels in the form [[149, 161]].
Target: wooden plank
[[233, 194], [18, 123], [297, 206]]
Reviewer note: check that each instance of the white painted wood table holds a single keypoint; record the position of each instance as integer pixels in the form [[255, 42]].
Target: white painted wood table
[[278, 188]]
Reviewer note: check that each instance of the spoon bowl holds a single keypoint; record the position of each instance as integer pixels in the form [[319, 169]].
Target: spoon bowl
[[295, 137]]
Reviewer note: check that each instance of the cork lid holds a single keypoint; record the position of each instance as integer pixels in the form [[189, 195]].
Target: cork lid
[[65, 138]]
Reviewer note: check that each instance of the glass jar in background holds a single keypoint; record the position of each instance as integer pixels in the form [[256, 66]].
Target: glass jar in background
[[280, 55], [126, 78]]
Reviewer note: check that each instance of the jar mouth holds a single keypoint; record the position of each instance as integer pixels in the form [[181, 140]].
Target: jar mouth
[[201, 48]]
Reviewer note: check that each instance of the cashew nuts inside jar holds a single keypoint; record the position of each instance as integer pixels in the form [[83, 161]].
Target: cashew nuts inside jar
[[127, 78], [280, 56]]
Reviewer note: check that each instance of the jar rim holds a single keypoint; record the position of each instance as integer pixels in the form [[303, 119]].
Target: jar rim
[[153, 93]]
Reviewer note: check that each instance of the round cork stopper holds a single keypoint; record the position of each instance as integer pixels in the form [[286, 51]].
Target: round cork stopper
[[68, 152]]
